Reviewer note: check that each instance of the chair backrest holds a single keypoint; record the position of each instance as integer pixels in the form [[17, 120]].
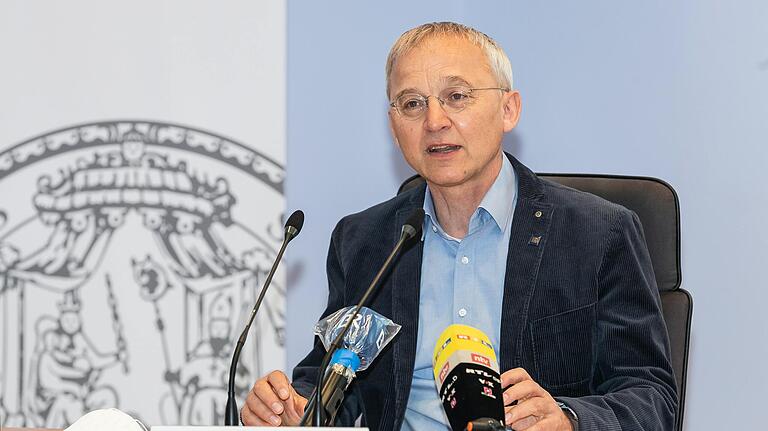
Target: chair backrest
[[656, 204]]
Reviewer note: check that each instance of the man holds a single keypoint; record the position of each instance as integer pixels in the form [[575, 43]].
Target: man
[[560, 280]]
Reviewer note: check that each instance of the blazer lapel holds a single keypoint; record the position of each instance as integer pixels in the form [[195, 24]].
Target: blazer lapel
[[530, 227]]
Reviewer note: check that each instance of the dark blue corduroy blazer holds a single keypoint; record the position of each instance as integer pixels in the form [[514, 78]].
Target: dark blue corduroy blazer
[[581, 311]]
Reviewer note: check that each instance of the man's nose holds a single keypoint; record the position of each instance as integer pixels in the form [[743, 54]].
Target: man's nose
[[436, 117]]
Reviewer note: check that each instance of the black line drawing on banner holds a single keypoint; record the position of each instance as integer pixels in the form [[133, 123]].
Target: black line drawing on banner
[[66, 367], [133, 264]]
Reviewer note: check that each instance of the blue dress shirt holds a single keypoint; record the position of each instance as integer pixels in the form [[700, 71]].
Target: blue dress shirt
[[462, 281]]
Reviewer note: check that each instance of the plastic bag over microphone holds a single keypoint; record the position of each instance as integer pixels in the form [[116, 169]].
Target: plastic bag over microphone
[[369, 333]]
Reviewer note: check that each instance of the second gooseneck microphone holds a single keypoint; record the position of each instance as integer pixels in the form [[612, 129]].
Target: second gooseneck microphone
[[292, 228], [316, 410]]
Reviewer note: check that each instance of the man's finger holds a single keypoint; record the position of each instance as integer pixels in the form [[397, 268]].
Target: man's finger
[[514, 376], [280, 384], [261, 410], [545, 424], [264, 392], [522, 391], [250, 419], [524, 424], [536, 407], [294, 409], [301, 402]]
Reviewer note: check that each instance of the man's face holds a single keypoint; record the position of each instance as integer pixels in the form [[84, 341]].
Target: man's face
[[450, 149]]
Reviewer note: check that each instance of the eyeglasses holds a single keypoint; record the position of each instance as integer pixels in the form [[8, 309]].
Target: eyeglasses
[[412, 106]]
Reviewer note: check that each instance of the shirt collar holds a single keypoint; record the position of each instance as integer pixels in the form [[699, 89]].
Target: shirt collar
[[499, 201], [430, 216]]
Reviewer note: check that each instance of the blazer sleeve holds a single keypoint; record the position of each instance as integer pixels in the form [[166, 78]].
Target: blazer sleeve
[[633, 382], [305, 373]]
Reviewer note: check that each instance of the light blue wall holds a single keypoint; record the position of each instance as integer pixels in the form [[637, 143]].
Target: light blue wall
[[675, 90]]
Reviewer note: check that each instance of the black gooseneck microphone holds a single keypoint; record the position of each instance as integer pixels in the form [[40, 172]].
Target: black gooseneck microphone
[[292, 228], [316, 407]]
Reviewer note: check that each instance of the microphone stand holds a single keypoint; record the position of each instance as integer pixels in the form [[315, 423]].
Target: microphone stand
[[292, 228], [409, 230]]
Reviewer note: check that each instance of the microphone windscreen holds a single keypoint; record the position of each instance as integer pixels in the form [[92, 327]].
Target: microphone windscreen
[[295, 221], [467, 376], [412, 226]]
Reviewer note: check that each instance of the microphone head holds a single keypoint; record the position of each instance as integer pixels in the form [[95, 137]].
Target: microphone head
[[294, 224], [412, 226], [467, 375]]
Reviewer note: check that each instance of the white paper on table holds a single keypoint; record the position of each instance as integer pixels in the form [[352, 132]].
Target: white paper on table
[[106, 419]]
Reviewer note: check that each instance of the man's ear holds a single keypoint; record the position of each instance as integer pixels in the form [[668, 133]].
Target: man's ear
[[512, 106]]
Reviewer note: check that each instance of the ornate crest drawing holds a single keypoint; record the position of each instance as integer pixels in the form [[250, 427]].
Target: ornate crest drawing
[[130, 255]]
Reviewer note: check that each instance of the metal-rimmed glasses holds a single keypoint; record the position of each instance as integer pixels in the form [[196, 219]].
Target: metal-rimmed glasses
[[412, 106]]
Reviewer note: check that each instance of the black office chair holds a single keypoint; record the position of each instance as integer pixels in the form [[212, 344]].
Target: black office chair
[[658, 208]]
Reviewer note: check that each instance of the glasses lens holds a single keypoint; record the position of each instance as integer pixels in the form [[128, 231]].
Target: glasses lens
[[456, 98], [411, 105]]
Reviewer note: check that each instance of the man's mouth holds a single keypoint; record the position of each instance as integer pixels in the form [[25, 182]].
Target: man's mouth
[[442, 148]]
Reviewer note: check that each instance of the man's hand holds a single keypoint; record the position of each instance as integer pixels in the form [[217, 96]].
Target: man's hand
[[535, 409], [273, 402]]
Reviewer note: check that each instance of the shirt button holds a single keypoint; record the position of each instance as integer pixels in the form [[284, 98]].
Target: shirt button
[[465, 260], [434, 229], [462, 312]]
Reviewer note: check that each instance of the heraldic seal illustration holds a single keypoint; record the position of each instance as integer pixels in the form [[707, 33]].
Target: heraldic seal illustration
[[130, 255]]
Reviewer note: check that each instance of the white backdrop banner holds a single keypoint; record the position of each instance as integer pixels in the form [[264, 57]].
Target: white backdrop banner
[[142, 152]]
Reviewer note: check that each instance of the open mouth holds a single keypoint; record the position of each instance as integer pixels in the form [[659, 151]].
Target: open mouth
[[441, 149]]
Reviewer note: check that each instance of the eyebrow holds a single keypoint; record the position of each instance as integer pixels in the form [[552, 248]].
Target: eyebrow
[[448, 80], [454, 80], [406, 91]]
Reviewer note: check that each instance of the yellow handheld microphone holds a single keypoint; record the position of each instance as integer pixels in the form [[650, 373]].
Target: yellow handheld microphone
[[467, 377]]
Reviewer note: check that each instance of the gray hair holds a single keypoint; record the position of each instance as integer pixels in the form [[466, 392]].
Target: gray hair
[[497, 59]]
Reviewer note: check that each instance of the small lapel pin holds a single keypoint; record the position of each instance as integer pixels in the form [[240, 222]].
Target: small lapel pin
[[535, 240]]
